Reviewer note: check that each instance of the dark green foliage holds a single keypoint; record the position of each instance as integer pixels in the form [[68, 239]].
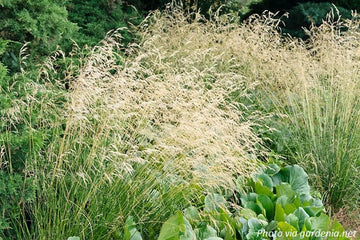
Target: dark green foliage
[[44, 23], [3, 70], [16, 191], [274, 6], [303, 13], [143, 5], [26, 126], [349, 4], [96, 18], [285, 5], [49, 24], [240, 6], [307, 14]]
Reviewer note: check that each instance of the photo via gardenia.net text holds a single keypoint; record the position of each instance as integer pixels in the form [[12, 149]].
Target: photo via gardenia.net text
[[306, 234]]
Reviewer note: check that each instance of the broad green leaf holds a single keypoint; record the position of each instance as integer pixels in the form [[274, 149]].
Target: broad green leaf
[[302, 216], [255, 225], [336, 228], [288, 231], [296, 201], [306, 198], [229, 225], [261, 189], [130, 231], [289, 208], [249, 201], [262, 217], [192, 214], [266, 180], [271, 226], [277, 179], [213, 238], [242, 225], [73, 238], [298, 179], [319, 223], [284, 189], [252, 196], [317, 203], [279, 213], [173, 227], [248, 197], [247, 213], [253, 206], [205, 232], [228, 233], [266, 203], [189, 233], [272, 169], [283, 200], [313, 211], [293, 221], [213, 202]]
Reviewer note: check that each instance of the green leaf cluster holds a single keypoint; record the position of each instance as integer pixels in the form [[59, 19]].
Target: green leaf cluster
[[281, 201], [279, 204]]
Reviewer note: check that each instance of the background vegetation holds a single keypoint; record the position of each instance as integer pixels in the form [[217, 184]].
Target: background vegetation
[[111, 117]]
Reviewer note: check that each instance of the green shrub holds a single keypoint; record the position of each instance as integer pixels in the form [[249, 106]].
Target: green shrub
[[303, 13], [96, 18], [44, 23], [49, 25]]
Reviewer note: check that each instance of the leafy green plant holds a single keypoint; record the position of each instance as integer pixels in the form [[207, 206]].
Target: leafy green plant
[[279, 203]]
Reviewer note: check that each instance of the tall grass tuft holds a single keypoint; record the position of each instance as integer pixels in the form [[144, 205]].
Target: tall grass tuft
[[141, 136], [312, 89], [318, 93], [307, 89]]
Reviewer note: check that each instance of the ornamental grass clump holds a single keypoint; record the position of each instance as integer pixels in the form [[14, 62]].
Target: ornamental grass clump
[[141, 136], [305, 89], [313, 88]]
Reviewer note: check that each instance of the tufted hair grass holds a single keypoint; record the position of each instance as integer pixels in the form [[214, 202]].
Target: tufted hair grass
[[148, 129], [142, 132]]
